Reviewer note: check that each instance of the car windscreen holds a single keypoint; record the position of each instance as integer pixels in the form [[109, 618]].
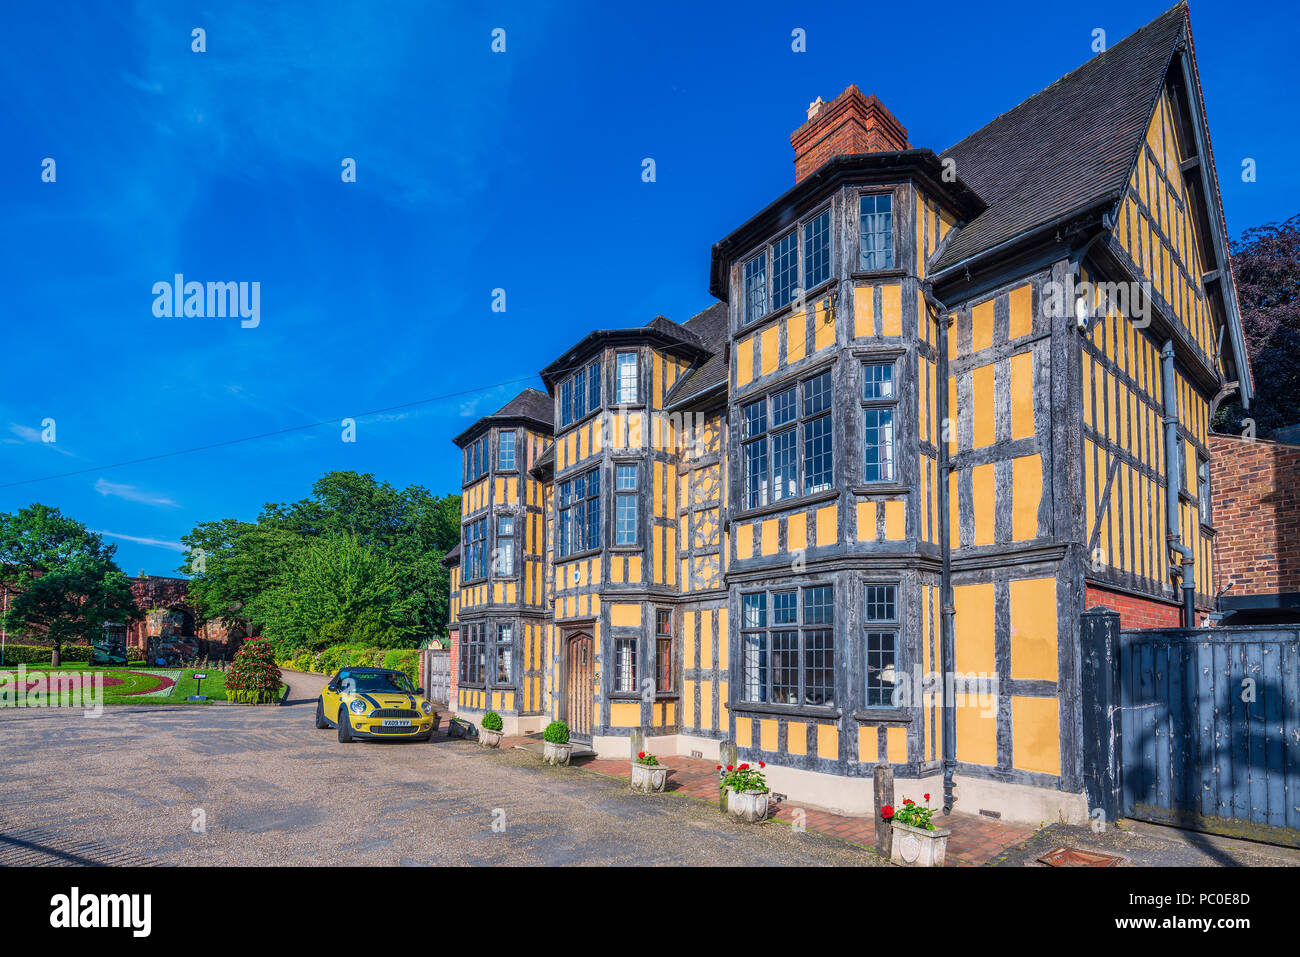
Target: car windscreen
[[368, 683]]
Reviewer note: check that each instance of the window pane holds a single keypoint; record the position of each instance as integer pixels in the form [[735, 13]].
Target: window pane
[[754, 611], [880, 668], [878, 380], [755, 281], [506, 451], [505, 635], [627, 377], [625, 521], [785, 608], [817, 394], [756, 474], [663, 664], [817, 455], [878, 445], [755, 667], [580, 394], [785, 466], [785, 667], [593, 386], [785, 270], [881, 604], [566, 402], [663, 622], [818, 605], [876, 228], [625, 478], [817, 250], [625, 664], [785, 407], [505, 557], [755, 417], [819, 667]]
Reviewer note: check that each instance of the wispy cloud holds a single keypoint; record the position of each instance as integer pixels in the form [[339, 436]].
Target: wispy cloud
[[140, 540], [132, 494], [26, 435]]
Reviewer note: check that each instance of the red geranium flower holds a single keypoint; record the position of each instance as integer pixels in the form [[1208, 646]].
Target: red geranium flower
[[926, 796], [887, 811], [640, 754], [908, 801], [730, 768], [719, 767], [761, 764], [744, 767]]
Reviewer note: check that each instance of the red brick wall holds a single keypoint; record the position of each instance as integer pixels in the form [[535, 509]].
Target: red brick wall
[[850, 123], [1256, 491], [1134, 612]]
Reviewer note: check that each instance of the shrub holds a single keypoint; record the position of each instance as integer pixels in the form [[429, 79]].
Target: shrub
[[70, 653], [254, 672], [557, 732], [26, 655], [405, 660], [741, 778], [491, 721]]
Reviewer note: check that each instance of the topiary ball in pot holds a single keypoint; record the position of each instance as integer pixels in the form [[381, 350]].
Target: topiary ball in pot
[[556, 749]]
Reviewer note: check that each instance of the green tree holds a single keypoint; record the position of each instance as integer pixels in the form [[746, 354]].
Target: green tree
[[38, 539], [73, 602], [336, 590]]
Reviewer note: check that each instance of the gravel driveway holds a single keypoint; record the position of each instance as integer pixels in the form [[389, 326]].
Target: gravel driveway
[[128, 787]]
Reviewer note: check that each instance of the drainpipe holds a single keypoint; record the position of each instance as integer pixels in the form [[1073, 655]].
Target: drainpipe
[[1173, 534], [947, 637]]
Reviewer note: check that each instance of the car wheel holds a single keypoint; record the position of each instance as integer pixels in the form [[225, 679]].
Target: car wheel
[[345, 727], [320, 715]]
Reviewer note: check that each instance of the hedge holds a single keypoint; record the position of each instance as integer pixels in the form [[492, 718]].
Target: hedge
[[330, 660], [43, 654]]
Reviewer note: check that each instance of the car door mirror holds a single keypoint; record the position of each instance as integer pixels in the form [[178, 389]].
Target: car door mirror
[[332, 687]]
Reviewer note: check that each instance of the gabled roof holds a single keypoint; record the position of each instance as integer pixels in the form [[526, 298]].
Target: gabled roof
[[710, 374], [452, 557], [530, 407], [1067, 148], [660, 332]]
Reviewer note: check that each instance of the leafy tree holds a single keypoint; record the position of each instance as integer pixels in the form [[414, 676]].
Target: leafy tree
[[73, 602], [231, 563], [37, 539], [336, 590], [1267, 271]]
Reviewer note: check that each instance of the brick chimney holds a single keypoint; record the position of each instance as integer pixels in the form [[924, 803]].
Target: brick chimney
[[850, 123]]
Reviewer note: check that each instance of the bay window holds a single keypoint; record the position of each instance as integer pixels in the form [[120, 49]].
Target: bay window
[[876, 231], [788, 447], [788, 646], [579, 514], [880, 624], [879, 403], [807, 245]]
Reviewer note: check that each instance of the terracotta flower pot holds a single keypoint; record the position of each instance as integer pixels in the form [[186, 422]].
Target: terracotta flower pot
[[489, 739], [748, 806], [649, 777], [917, 847], [555, 754]]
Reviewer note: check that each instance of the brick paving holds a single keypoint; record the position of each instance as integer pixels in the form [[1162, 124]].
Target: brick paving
[[975, 840]]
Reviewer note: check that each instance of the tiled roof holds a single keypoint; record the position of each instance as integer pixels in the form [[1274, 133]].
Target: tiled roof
[[529, 404], [711, 328], [1067, 148]]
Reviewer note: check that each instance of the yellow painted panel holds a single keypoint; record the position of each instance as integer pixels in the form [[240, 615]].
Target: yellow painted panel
[[796, 737], [769, 531], [896, 745], [983, 401], [796, 531], [745, 361], [977, 734], [770, 356], [767, 734], [1022, 395], [625, 714], [891, 310], [508, 700], [982, 326], [973, 628], [1022, 312], [744, 732], [894, 519], [954, 522], [796, 336], [982, 499], [864, 323], [722, 698], [823, 328], [1033, 629], [634, 568], [1035, 734], [828, 741], [951, 425], [744, 541], [866, 521], [1026, 495], [826, 532], [722, 646], [867, 744], [625, 615]]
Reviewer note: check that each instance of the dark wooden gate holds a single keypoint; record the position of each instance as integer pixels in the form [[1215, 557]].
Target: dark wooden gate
[[578, 672], [1199, 728]]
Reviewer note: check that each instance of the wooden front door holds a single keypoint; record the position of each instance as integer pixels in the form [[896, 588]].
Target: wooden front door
[[578, 686]]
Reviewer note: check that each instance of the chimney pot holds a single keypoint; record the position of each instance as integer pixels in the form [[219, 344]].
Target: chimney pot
[[850, 123]]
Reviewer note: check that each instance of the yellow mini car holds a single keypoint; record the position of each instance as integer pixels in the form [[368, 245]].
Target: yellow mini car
[[375, 703]]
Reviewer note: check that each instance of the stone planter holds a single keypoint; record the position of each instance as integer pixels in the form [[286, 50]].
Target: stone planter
[[649, 778], [455, 729], [747, 806], [557, 755], [916, 847], [489, 739]]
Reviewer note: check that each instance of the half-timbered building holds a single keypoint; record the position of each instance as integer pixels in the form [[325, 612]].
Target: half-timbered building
[[850, 513]]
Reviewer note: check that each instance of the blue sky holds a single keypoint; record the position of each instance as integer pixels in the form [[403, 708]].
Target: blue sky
[[475, 171]]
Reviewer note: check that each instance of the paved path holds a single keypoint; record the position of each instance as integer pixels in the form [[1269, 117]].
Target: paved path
[[125, 788]]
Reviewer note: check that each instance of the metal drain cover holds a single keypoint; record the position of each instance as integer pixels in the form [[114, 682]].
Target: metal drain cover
[[1076, 857]]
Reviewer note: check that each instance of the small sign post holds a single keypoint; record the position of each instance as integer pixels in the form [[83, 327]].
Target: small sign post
[[198, 677]]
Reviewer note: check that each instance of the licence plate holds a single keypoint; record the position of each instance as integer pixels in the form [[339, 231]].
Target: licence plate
[[396, 723]]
